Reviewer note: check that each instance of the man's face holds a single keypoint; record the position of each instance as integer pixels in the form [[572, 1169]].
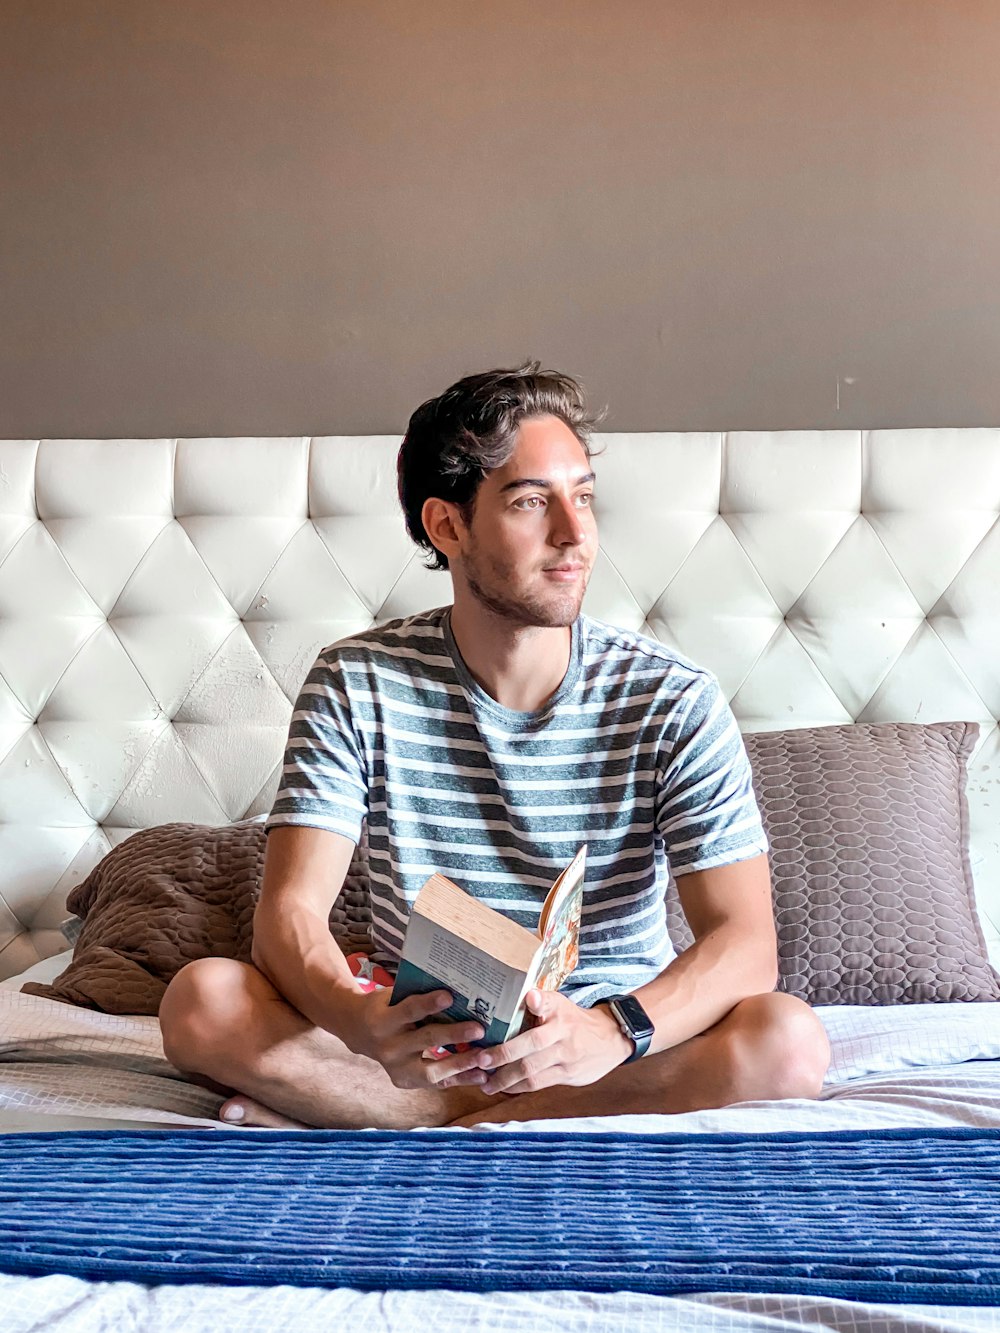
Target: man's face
[[529, 550]]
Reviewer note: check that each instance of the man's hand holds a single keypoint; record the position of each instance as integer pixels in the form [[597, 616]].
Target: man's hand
[[396, 1036], [569, 1046]]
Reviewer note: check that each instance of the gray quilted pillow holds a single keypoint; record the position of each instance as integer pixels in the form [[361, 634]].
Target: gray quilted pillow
[[873, 891]]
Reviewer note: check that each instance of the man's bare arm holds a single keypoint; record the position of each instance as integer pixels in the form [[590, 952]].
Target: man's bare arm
[[734, 954], [304, 872]]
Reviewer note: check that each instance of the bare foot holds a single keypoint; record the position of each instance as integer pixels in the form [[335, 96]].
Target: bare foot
[[246, 1113]]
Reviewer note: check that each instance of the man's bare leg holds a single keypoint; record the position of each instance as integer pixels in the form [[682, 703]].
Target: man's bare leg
[[767, 1048], [225, 1022]]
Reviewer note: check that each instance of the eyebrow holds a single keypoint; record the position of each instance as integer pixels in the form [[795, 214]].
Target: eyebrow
[[539, 483]]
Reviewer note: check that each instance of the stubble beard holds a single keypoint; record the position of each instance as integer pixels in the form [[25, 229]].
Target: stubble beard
[[526, 611]]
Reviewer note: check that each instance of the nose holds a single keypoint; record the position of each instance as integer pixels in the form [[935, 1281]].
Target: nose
[[568, 528]]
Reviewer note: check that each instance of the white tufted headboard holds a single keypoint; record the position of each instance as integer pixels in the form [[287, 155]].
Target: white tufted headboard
[[162, 600]]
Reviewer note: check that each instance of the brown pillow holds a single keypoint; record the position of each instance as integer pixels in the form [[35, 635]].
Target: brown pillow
[[873, 891], [167, 896]]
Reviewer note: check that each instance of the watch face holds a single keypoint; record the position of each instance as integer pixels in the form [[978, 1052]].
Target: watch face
[[634, 1015]]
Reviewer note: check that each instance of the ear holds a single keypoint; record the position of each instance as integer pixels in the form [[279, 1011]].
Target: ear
[[443, 524]]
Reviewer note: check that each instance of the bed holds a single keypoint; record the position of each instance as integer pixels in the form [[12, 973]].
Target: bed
[[161, 602]]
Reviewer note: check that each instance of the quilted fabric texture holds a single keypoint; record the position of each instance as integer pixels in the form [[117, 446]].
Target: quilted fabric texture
[[905, 1215], [873, 892], [170, 895]]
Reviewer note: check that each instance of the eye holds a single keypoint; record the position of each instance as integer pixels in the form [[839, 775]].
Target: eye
[[584, 499], [529, 502]]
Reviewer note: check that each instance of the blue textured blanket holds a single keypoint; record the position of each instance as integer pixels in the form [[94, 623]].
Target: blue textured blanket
[[904, 1215]]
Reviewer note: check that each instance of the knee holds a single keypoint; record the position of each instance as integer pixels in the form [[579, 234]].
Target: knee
[[203, 1006], [777, 1043]]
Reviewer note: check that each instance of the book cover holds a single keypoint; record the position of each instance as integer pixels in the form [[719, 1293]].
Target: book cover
[[456, 943]]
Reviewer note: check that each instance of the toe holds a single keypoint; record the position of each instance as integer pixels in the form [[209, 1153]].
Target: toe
[[245, 1112]]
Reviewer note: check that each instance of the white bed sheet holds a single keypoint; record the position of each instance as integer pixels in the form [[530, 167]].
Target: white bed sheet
[[67, 1068], [67, 1305]]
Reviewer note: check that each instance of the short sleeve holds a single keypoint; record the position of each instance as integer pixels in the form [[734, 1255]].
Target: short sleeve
[[324, 781], [706, 811]]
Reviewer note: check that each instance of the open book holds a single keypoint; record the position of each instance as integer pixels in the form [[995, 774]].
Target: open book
[[488, 962]]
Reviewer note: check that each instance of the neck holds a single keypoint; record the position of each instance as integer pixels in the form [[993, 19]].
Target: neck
[[520, 666]]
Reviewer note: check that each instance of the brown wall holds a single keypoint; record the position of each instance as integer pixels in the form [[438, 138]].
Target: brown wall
[[243, 216]]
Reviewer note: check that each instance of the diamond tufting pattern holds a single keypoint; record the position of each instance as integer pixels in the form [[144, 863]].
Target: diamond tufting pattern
[[162, 600]]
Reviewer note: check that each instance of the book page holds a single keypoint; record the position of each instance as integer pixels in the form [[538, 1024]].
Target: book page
[[474, 974], [560, 926]]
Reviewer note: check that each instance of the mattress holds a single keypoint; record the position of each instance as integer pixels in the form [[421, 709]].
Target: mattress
[[901, 1067]]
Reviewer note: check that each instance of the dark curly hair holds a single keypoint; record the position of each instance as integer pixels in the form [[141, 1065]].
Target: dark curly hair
[[453, 440]]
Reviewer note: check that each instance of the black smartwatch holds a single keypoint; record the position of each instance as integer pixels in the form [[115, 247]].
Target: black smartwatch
[[633, 1021]]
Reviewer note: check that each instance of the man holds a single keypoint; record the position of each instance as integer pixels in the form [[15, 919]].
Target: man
[[487, 740]]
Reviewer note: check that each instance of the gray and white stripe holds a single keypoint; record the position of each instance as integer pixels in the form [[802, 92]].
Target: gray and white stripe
[[637, 754]]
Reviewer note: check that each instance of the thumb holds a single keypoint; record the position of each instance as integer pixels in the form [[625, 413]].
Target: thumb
[[538, 1002]]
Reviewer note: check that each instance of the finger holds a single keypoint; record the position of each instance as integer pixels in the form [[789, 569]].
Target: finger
[[473, 1078], [545, 1005], [455, 1069], [507, 1078], [518, 1048], [523, 1077], [415, 1008], [528, 1070], [429, 1035], [516, 1089]]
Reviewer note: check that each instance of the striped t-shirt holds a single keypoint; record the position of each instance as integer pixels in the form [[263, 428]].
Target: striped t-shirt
[[636, 754]]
